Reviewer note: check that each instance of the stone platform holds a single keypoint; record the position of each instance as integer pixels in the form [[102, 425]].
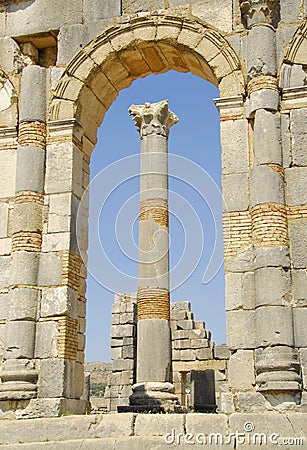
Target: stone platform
[[157, 432]]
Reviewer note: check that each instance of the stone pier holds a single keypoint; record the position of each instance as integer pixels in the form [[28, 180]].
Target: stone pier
[[154, 373]]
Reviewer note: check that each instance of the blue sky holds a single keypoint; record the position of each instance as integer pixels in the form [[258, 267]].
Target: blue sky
[[195, 206]]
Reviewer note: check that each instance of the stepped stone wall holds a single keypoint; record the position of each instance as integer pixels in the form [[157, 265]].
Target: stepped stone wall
[[193, 351]]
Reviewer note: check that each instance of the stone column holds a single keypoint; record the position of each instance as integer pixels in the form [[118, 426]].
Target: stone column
[[276, 359], [154, 376], [19, 375]]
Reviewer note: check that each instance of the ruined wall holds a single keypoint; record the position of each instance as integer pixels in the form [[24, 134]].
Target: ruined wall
[[62, 65]]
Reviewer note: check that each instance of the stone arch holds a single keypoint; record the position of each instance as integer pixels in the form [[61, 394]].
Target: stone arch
[[8, 102], [297, 49], [134, 48]]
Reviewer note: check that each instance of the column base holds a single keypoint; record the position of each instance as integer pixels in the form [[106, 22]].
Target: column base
[[19, 380], [154, 395]]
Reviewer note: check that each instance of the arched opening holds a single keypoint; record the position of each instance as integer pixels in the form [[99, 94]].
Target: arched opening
[[196, 139], [129, 51]]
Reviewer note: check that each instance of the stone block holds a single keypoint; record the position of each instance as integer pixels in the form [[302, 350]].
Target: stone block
[[127, 318], [221, 352], [63, 169], [8, 173], [5, 263], [95, 9], [233, 291], [59, 301], [116, 353], [241, 370], [262, 99], [50, 270], [20, 339], [5, 246], [298, 244], [30, 169], [188, 355], [122, 331], [273, 286], [116, 342], [54, 378], [133, 6], [261, 59], [198, 343], [204, 354], [56, 242], [123, 364], [274, 326], [178, 314], [240, 327], [273, 257], [303, 361], [217, 14], [33, 94], [226, 404], [267, 138], [128, 352], [285, 140], [267, 186], [4, 298], [290, 10], [298, 119], [60, 212], [234, 142], [207, 424], [4, 217], [300, 326], [10, 54], [23, 304], [158, 424], [46, 340], [299, 283], [2, 341], [26, 217], [70, 42], [184, 306], [24, 268], [48, 16], [235, 192], [185, 324], [296, 186]]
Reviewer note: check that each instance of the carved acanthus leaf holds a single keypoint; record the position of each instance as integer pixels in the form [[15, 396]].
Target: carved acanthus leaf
[[260, 11], [153, 118]]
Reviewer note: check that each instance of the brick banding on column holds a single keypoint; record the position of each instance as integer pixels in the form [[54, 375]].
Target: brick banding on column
[[157, 208], [262, 82], [153, 303], [29, 197], [71, 264], [67, 341], [269, 225], [27, 241], [237, 229], [32, 134], [297, 212]]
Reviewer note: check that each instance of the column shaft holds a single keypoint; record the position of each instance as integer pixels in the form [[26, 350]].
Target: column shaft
[[153, 332]]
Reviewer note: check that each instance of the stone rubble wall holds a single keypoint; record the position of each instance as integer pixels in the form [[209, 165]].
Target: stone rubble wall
[[192, 349]]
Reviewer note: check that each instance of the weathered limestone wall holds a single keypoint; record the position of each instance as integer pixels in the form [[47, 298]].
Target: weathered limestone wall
[[62, 65]]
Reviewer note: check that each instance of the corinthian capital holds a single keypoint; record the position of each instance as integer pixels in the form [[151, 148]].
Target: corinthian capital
[[153, 118], [260, 11]]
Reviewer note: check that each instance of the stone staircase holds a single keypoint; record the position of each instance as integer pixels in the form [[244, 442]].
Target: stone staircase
[[153, 431]]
